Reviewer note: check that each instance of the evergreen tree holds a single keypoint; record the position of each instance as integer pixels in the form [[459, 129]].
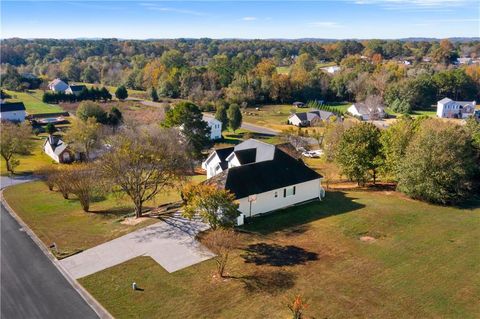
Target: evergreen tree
[[121, 93], [234, 117], [221, 115]]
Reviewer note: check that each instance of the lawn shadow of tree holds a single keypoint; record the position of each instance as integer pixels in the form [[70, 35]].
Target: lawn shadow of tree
[[334, 203], [268, 281], [275, 255]]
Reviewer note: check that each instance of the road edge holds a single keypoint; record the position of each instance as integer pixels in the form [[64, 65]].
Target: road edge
[[89, 299]]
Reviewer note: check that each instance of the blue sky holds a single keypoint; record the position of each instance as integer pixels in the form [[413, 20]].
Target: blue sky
[[241, 19]]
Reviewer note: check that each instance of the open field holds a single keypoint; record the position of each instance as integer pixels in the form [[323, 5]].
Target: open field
[[112, 89], [55, 219], [421, 263], [29, 163], [33, 102]]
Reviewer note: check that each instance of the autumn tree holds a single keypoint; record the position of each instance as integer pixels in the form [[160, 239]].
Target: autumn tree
[[358, 152], [88, 109], [83, 136], [234, 117], [217, 207], [47, 174], [15, 140], [221, 242], [144, 162], [297, 307]]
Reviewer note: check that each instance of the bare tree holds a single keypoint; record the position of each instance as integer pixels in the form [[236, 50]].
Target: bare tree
[[47, 173], [294, 137], [221, 242], [144, 162], [374, 103], [15, 140], [83, 183]]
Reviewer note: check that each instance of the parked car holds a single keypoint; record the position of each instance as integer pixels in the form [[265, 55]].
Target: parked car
[[313, 154]]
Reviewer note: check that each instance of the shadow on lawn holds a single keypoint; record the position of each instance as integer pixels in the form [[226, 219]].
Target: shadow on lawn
[[275, 255], [271, 282], [293, 219]]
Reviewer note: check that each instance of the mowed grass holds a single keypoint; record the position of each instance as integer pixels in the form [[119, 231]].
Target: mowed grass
[[423, 264], [55, 219], [33, 102], [31, 162], [112, 89]]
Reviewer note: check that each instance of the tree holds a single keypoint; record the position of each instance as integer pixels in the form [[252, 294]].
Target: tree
[[221, 242], [333, 135], [121, 93], [194, 129], [294, 137], [105, 95], [216, 207], [15, 140], [153, 94], [89, 109], [47, 174], [83, 182], [221, 115], [234, 117], [115, 118], [140, 168], [50, 128], [359, 151], [83, 136], [297, 307], [439, 165]]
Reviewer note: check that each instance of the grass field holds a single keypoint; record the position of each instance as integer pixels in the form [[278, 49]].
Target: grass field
[[112, 89], [33, 102], [55, 219], [29, 163], [423, 263]]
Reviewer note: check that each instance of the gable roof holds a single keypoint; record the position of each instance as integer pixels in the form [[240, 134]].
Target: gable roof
[[246, 156], [12, 106], [363, 109], [57, 144], [445, 100], [264, 151], [77, 88], [255, 178], [309, 116], [56, 81]]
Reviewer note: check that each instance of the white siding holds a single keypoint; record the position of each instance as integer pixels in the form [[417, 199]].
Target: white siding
[[294, 120], [267, 201], [211, 164], [48, 150], [15, 116], [215, 129]]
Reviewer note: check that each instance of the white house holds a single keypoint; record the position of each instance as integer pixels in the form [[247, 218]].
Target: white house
[[332, 69], [12, 111], [58, 150], [365, 112], [58, 85], [215, 128], [448, 108], [465, 60], [306, 119], [262, 177]]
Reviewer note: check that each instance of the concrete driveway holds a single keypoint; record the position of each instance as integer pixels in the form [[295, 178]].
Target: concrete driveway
[[170, 242]]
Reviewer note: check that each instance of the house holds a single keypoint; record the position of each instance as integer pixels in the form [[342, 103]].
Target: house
[[262, 177], [465, 61], [332, 69], [365, 112], [448, 108], [306, 119], [75, 89], [12, 111], [58, 85], [298, 104], [215, 128], [58, 150]]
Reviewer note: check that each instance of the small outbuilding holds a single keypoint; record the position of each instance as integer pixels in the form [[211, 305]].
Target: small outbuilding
[[12, 111], [58, 150]]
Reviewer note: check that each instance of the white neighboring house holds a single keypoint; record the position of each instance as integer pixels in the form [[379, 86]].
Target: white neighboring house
[[215, 128], [58, 85], [466, 61], [448, 108], [365, 112], [305, 119], [12, 111], [58, 150], [263, 177], [332, 69]]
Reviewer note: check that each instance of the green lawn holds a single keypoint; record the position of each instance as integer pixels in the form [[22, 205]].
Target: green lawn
[[423, 264], [112, 89], [55, 219], [29, 163], [33, 102]]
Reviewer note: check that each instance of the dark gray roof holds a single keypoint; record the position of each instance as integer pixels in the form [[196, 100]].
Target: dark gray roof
[[246, 156], [261, 177], [308, 116], [12, 106], [77, 88], [222, 153]]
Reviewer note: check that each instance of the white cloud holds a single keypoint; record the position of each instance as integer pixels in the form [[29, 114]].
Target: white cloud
[[249, 18], [156, 7], [325, 24]]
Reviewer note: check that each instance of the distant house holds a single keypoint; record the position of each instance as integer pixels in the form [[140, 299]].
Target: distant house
[[448, 108], [366, 113], [306, 119], [262, 177], [298, 104], [75, 89], [215, 128], [12, 111], [58, 85], [58, 150], [332, 69], [465, 61]]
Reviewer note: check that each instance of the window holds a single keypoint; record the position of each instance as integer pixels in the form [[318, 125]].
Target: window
[[276, 194], [289, 191]]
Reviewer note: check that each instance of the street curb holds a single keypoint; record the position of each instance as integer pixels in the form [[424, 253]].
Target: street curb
[[89, 299]]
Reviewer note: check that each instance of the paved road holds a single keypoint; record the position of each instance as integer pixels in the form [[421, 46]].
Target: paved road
[[6, 181], [31, 286], [251, 127], [171, 243]]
